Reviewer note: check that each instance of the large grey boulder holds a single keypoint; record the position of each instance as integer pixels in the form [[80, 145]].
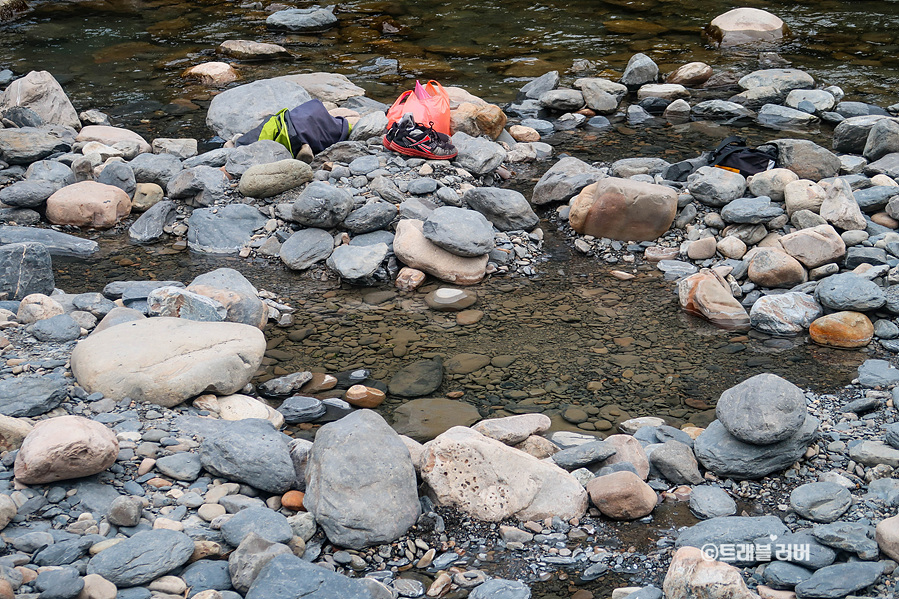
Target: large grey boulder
[[119, 174], [223, 230], [564, 180], [360, 482], [883, 139], [245, 562], [716, 187], [143, 557], [839, 580], [357, 264], [851, 135], [306, 247], [155, 168], [507, 209], [25, 268], [31, 395], [477, 155], [262, 521], [28, 194], [322, 205], [462, 232], [731, 530], [762, 410], [239, 109], [640, 69], [725, 455], [40, 92], [289, 577], [821, 501], [250, 451], [302, 19], [849, 291], [370, 217], [151, 224], [200, 186], [56, 242], [675, 461], [30, 144], [806, 158]]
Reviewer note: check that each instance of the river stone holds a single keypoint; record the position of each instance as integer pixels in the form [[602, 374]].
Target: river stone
[[477, 155], [302, 19], [58, 329], [583, 455], [266, 180], [305, 248], [564, 180], [871, 373], [497, 588], [533, 89], [784, 575], [206, 574], [245, 563], [706, 295], [31, 395], [29, 144], [299, 408], [731, 530], [425, 419], [322, 205], [875, 198], [746, 25], [751, 210], [265, 151], [370, 217], [462, 232], [357, 264], [512, 430], [711, 502], [199, 186], [179, 359], [716, 187], [156, 168], [119, 174], [522, 486], [88, 204], [507, 209], [784, 314], [289, 577], [25, 268], [239, 109], [784, 80], [266, 523], [250, 50], [622, 495], [224, 229], [413, 249], [820, 502], [417, 380], [143, 557], [851, 135], [562, 100], [28, 194], [853, 537], [675, 461], [721, 110], [373, 124], [231, 289], [64, 448], [849, 291], [840, 208], [447, 299], [337, 471], [725, 455], [249, 451], [151, 224], [783, 117], [814, 246], [883, 139], [180, 466], [623, 209], [839, 580], [640, 69], [601, 95], [842, 329], [806, 159], [40, 92]]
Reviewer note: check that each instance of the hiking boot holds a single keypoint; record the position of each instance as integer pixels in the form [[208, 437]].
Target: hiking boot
[[414, 139]]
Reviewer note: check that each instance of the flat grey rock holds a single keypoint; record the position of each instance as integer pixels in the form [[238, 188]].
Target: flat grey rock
[[731, 530], [289, 577], [267, 523], [711, 502], [57, 243], [25, 268], [142, 557], [306, 247], [821, 501], [223, 230], [31, 395], [507, 209], [250, 451], [839, 580]]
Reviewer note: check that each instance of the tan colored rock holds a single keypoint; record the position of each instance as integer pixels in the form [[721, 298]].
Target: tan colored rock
[[704, 294], [416, 450], [512, 430], [658, 253], [842, 329], [97, 587], [364, 397], [37, 306], [772, 183], [885, 220], [457, 96], [691, 74], [8, 510], [732, 247], [409, 279], [702, 249], [64, 448], [692, 575], [523, 134], [773, 268], [212, 73], [40, 92], [414, 250], [803, 195], [628, 449], [840, 209], [146, 195], [240, 407], [253, 50], [814, 246], [537, 446], [176, 360], [88, 204], [887, 536], [622, 495], [12, 432], [623, 209], [766, 592], [491, 481], [669, 91], [477, 120], [746, 25], [111, 136]]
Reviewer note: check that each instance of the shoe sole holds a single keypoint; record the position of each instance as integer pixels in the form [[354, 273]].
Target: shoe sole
[[413, 152]]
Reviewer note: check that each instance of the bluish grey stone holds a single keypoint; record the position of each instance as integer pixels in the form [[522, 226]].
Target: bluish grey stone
[[583, 455], [863, 405], [675, 461], [370, 217], [64, 583], [784, 575], [223, 230], [299, 408], [497, 588], [249, 451], [264, 151], [373, 238], [711, 502], [63, 552], [30, 144], [422, 186], [640, 69], [28, 194], [816, 556], [142, 557], [885, 490], [155, 168], [245, 306], [892, 433], [180, 466], [322, 205], [25, 268], [133, 289], [541, 126], [669, 433], [302, 19], [477, 155], [268, 524], [365, 164], [783, 117], [134, 593], [357, 264], [725, 455], [461, 232], [545, 82], [731, 530], [289, 577], [237, 110], [564, 180], [149, 225], [857, 255], [849, 291], [721, 110], [875, 198], [507, 209], [199, 186], [839, 580], [854, 109], [206, 574], [562, 100], [821, 501], [762, 410], [58, 329], [31, 395], [57, 243], [848, 536], [417, 379], [306, 248], [751, 210], [50, 170], [118, 174], [877, 373], [417, 208], [215, 158]]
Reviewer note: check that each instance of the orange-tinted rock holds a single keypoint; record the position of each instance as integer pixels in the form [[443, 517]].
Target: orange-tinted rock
[[885, 220], [293, 500], [522, 133], [622, 495], [771, 268], [842, 329], [690, 74], [705, 295], [469, 317], [212, 73], [476, 120], [814, 246], [409, 279], [88, 204], [364, 397], [320, 382], [623, 209], [692, 575], [658, 253]]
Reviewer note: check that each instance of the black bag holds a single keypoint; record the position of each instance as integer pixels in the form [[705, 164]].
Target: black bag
[[733, 154]]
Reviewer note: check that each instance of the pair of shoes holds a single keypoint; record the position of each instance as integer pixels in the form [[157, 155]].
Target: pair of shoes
[[414, 139]]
